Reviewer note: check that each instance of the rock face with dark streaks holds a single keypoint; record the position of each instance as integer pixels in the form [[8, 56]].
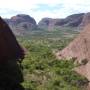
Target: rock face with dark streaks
[[70, 21], [86, 20], [21, 24], [48, 23]]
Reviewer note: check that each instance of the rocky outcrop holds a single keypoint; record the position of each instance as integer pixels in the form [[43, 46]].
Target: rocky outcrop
[[70, 21], [79, 49], [21, 24], [48, 23], [11, 53], [86, 20], [23, 18], [74, 20], [9, 47]]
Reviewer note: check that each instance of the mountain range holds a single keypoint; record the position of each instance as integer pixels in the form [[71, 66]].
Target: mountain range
[[21, 23], [78, 49]]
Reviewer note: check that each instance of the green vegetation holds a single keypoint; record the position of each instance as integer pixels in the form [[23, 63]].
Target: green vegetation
[[57, 33], [42, 71]]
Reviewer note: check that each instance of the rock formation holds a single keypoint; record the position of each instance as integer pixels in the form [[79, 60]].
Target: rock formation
[[48, 23], [10, 54], [74, 20], [21, 24], [70, 21], [79, 49], [9, 47], [86, 19]]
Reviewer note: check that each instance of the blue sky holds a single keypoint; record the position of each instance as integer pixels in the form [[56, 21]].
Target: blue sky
[[43, 8]]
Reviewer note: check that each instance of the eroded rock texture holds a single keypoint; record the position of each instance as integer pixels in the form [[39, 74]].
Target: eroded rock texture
[[78, 48], [73, 20], [21, 24]]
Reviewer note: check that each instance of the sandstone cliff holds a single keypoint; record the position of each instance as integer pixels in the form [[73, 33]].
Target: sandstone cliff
[[70, 21], [78, 48], [86, 19], [21, 24]]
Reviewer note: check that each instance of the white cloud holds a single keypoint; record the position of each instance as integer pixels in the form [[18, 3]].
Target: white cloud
[[13, 7]]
